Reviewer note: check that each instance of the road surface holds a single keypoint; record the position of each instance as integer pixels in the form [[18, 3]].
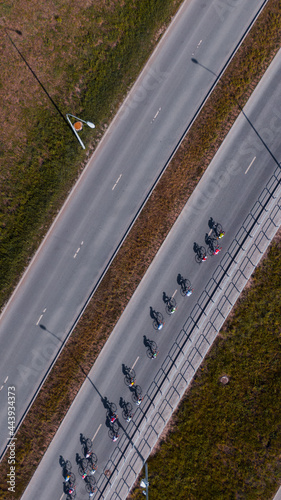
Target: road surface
[[110, 192], [241, 189]]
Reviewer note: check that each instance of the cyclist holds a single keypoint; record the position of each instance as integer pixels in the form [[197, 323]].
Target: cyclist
[[115, 437], [71, 490], [93, 469], [221, 235], [217, 250], [129, 417], [160, 325], [188, 292], [132, 382], [67, 477], [204, 258], [138, 402], [113, 418]]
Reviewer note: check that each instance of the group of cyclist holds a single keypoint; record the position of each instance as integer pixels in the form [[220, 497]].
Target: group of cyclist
[[186, 290]]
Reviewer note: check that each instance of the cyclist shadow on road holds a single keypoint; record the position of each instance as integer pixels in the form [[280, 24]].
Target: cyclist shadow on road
[[211, 223], [166, 298], [146, 341], [153, 313], [180, 279], [210, 242]]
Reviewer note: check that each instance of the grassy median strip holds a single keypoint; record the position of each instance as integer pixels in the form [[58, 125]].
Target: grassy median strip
[[225, 440], [143, 242]]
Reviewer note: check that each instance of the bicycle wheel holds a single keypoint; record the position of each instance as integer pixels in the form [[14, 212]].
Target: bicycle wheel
[[202, 251], [218, 229], [159, 317], [128, 380], [81, 471], [90, 488], [170, 309], [132, 373], [68, 466], [72, 478], [134, 397], [155, 324], [129, 407], [138, 390], [115, 426], [185, 285], [111, 433], [112, 407], [90, 480], [198, 258], [88, 444], [93, 459]]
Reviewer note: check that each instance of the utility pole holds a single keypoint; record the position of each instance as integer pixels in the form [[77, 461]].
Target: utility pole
[[144, 482]]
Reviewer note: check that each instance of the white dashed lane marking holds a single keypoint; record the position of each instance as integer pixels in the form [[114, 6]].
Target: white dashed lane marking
[[250, 165], [117, 182]]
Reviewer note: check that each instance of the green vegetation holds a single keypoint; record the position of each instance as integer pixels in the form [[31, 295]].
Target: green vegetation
[[226, 439], [86, 55], [143, 242]]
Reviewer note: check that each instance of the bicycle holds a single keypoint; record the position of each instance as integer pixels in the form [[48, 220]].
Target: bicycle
[[93, 459], [171, 306], [90, 482], [152, 351], [130, 377], [83, 468], [113, 434], [87, 447], [70, 478], [71, 493], [218, 230], [91, 488], [127, 412], [201, 255], [158, 321]]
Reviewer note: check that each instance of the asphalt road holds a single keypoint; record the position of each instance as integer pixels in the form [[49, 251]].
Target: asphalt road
[[111, 190], [233, 183]]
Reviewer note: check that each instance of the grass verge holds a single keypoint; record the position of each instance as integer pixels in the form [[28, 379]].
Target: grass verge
[[143, 242], [225, 440]]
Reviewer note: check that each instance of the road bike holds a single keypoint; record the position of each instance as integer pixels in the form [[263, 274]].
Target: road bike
[[83, 468], [201, 255], [93, 460], [90, 484], [185, 289], [130, 377], [171, 306], [158, 321], [152, 350], [127, 413]]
